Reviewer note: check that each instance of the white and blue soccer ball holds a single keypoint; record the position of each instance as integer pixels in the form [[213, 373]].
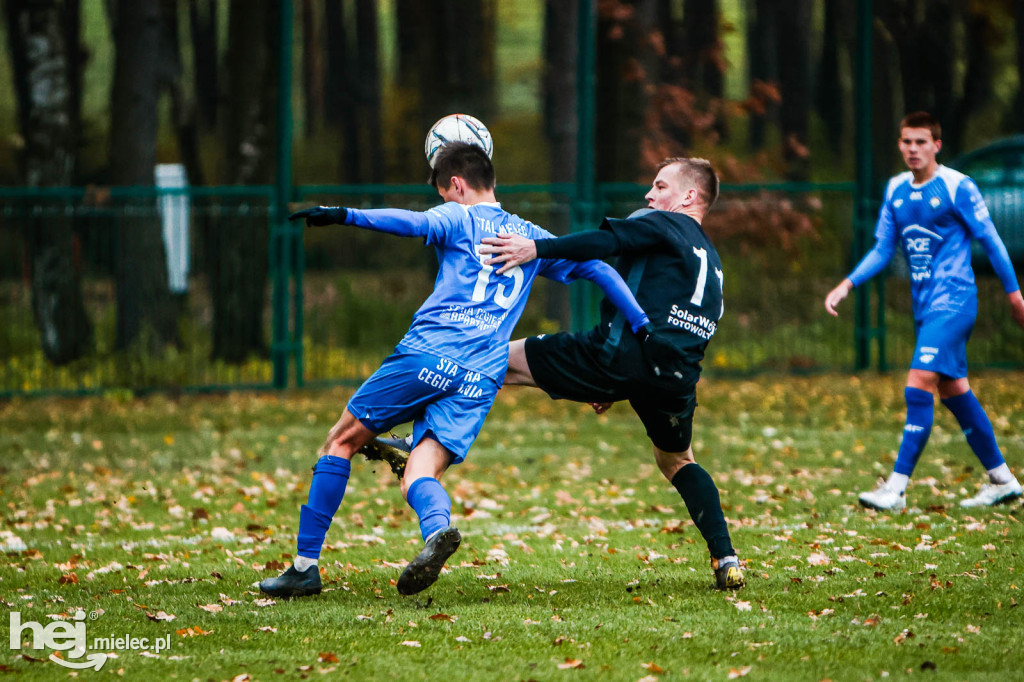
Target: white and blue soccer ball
[[457, 127]]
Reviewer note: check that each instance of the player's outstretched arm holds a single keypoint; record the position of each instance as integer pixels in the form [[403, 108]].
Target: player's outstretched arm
[[1017, 307], [391, 220], [321, 215], [837, 295], [581, 246]]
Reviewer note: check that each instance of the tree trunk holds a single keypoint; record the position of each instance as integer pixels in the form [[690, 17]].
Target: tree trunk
[[367, 88], [203, 27], [312, 70], [561, 111], [237, 247], [143, 296], [44, 48], [795, 84], [977, 83], [763, 54], [832, 98], [1016, 116], [626, 65]]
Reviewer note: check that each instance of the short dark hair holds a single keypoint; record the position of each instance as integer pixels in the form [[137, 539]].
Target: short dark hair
[[922, 119], [466, 161], [699, 172]]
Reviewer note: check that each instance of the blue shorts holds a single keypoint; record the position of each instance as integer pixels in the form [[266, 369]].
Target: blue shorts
[[434, 393], [942, 343]]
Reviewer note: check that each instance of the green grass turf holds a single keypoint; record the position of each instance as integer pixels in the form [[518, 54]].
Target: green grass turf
[[578, 560]]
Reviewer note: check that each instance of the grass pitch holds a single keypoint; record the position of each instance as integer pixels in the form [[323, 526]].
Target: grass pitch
[[157, 518]]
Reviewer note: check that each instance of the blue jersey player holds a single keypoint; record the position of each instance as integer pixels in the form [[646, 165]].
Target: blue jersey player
[[445, 372], [933, 213]]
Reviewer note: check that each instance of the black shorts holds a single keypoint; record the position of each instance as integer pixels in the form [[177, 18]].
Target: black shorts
[[578, 367]]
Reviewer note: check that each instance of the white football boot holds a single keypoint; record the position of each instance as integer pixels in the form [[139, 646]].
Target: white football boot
[[883, 498], [994, 493]]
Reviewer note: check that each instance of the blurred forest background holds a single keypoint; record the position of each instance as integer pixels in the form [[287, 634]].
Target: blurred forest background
[[100, 91], [764, 87]]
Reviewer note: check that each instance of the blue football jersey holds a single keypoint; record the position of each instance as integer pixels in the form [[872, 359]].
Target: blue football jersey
[[470, 316], [934, 224]]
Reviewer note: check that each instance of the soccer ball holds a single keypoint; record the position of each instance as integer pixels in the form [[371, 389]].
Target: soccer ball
[[457, 127]]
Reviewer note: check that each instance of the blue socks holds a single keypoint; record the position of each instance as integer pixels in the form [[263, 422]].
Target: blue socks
[[920, 415], [977, 428], [326, 490], [431, 503]]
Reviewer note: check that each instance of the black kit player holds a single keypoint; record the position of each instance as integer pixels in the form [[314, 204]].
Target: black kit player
[[675, 272]]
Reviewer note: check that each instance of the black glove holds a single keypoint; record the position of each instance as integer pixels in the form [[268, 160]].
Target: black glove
[[662, 357], [321, 215]]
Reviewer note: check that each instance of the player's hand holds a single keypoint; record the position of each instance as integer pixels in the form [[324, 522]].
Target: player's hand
[[662, 357], [601, 408], [509, 250], [836, 295], [1017, 307], [321, 215]]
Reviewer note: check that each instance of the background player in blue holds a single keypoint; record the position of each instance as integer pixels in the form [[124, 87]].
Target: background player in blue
[[676, 274], [445, 372], [932, 213]]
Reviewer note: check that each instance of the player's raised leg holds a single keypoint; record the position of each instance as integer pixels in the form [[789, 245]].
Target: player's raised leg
[[1003, 486], [700, 494], [326, 491], [422, 489]]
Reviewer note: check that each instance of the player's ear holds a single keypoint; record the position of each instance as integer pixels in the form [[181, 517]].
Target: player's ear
[[938, 146]]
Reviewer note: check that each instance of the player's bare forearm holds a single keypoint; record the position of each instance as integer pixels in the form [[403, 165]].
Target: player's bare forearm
[[836, 296], [509, 250], [1017, 307]]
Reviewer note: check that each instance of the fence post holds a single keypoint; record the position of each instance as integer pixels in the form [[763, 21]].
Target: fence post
[[281, 233], [584, 194], [862, 219]]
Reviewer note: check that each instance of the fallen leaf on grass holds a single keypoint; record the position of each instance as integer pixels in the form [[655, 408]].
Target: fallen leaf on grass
[[212, 608], [498, 588], [68, 579], [444, 616], [263, 602], [227, 601], [739, 672], [902, 637], [653, 667], [410, 642], [160, 615], [818, 559], [742, 605], [973, 629], [195, 631], [267, 628], [326, 657], [462, 638], [571, 664], [872, 620]]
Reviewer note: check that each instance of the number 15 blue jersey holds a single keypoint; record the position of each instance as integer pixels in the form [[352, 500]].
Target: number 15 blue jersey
[[471, 313]]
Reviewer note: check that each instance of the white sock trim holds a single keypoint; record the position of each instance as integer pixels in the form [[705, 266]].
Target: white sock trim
[[302, 563], [898, 482], [1001, 475]]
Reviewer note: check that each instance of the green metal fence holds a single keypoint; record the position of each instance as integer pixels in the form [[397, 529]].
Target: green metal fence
[[335, 300]]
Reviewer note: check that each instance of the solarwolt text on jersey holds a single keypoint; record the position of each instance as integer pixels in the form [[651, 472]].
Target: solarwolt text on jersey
[[698, 325]]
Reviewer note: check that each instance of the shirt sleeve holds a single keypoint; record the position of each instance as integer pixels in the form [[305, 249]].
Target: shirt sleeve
[[880, 255], [614, 288], [971, 208], [587, 245], [635, 235], [391, 220]]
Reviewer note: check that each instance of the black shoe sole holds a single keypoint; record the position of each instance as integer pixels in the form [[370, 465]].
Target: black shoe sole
[[394, 457], [422, 572], [287, 591]]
